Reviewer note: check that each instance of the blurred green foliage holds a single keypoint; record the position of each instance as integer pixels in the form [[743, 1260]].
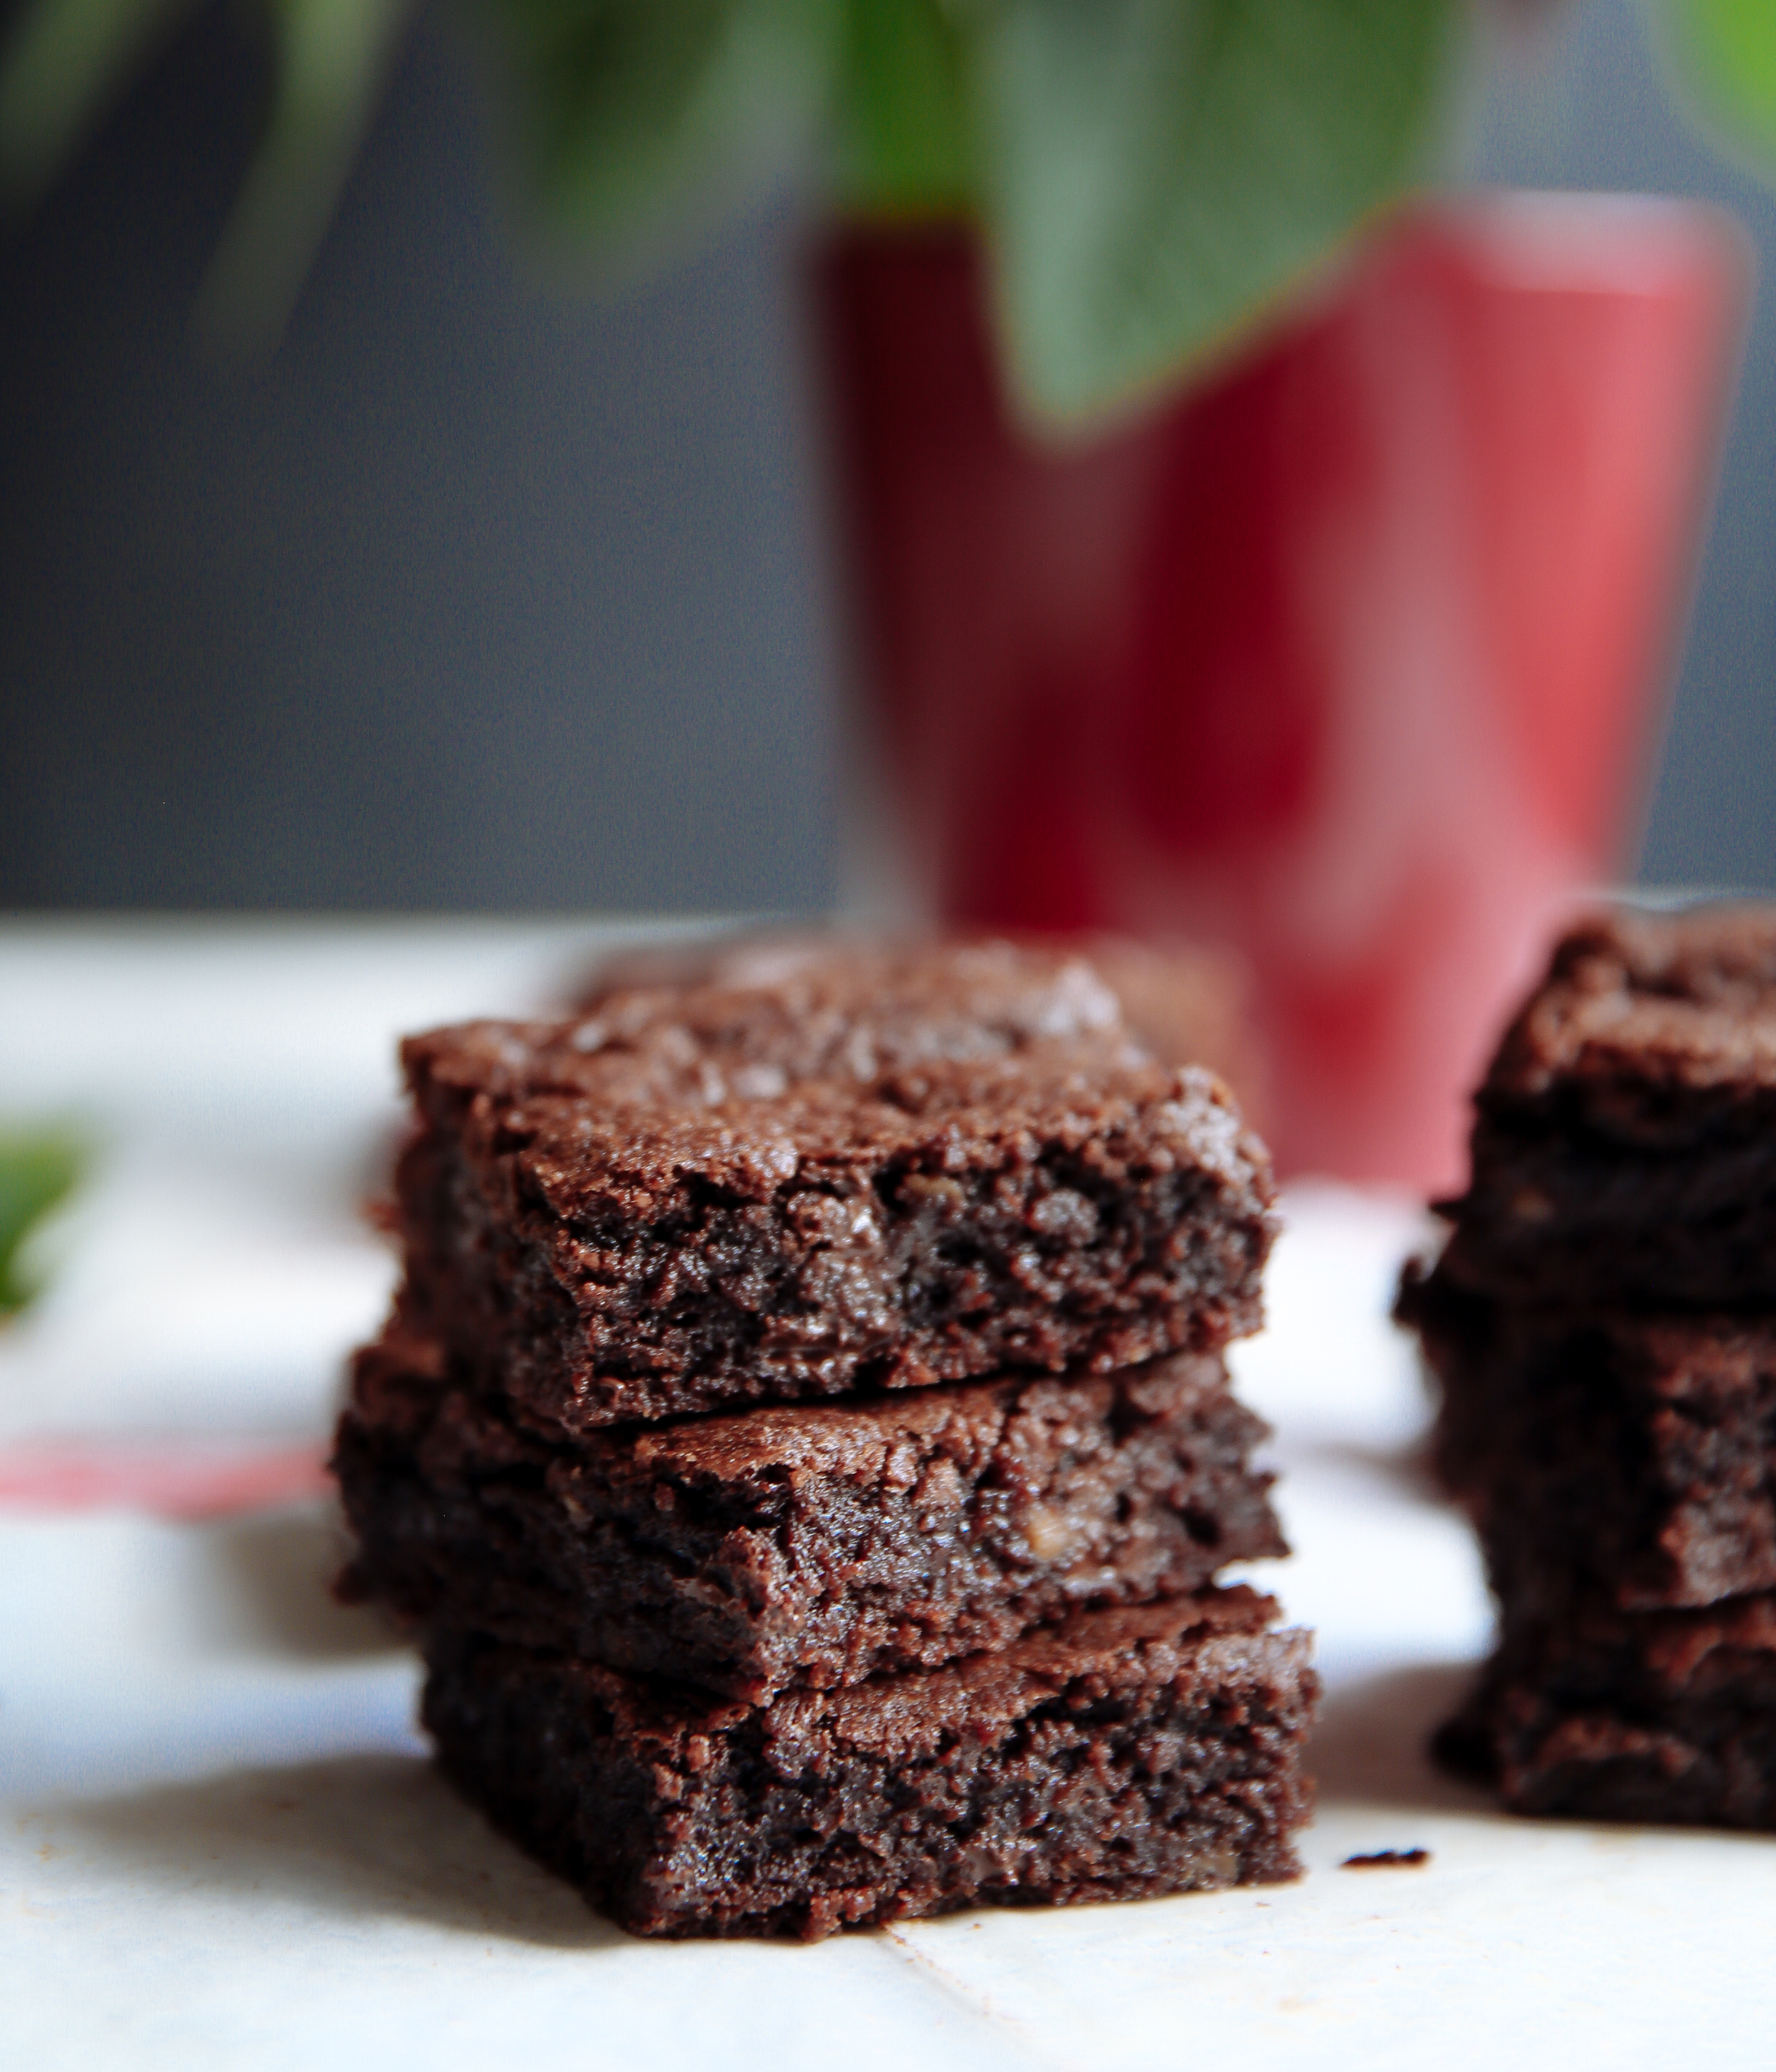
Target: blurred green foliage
[[68, 57], [37, 1170], [1150, 174], [1728, 49], [627, 111], [904, 129], [1155, 174]]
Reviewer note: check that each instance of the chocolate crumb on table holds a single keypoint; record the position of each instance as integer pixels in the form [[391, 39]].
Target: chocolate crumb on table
[[1602, 1326], [1388, 1859]]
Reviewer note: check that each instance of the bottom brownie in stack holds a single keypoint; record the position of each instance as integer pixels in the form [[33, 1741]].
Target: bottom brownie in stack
[[804, 1666], [1149, 1748], [1607, 1715]]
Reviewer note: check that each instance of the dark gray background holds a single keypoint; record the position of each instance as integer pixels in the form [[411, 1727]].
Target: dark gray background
[[484, 594]]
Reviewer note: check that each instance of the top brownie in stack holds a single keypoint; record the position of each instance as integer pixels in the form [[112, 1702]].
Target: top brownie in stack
[[881, 1168], [1625, 1140]]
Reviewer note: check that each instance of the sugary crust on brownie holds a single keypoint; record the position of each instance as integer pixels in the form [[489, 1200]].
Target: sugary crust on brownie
[[708, 1197], [1607, 1715], [1182, 1003], [1120, 1752], [1639, 1005], [816, 1545], [1624, 1147], [1632, 1455], [847, 1014]]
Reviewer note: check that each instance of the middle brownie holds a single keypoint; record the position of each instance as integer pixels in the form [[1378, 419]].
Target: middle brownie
[[1631, 1455], [811, 1545]]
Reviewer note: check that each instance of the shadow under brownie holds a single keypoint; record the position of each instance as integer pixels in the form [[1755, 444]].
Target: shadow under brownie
[[1116, 1754], [814, 1544]]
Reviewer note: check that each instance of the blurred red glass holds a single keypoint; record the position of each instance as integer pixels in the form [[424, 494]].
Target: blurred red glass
[[1352, 658]]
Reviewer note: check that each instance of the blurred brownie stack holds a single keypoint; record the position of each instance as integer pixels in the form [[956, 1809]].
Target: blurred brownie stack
[[1603, 1323], [802, 1447]]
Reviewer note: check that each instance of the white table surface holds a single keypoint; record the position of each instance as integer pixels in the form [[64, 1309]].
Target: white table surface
[[220, 1841]]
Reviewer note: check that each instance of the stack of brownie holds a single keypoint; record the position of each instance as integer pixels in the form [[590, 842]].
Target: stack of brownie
[[802, 1447], [1603, 1324]]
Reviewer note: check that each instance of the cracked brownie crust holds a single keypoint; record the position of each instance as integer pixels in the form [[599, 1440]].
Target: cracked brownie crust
[[1118, 1754], [812, 1545], [1625, 1144], [700, 1197], [1183, 1003]]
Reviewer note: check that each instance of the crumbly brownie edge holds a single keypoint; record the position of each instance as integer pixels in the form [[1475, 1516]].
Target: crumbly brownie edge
[[1116, 1756], [1551, 1216], [1042, 1241], [1624, 1146], [1632, 1455], [818, 1545]]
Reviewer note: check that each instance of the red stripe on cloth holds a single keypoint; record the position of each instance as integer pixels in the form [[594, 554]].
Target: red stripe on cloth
[[183, 1478]]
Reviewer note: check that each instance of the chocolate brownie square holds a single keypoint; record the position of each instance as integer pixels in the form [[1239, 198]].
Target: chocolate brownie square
[[934, 1165], [811, 1544], [1115, 1754], [1624, 1149], [1606, 1715], [1633, 1456]]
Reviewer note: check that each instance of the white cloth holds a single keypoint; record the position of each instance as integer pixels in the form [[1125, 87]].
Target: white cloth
[[220, 1843]]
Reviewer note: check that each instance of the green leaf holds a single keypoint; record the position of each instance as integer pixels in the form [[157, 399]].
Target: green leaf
[[1156, 172], [905, 143], [1728, 48], [63, 61], [627, 110], [333, 57], [36, 1170]]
